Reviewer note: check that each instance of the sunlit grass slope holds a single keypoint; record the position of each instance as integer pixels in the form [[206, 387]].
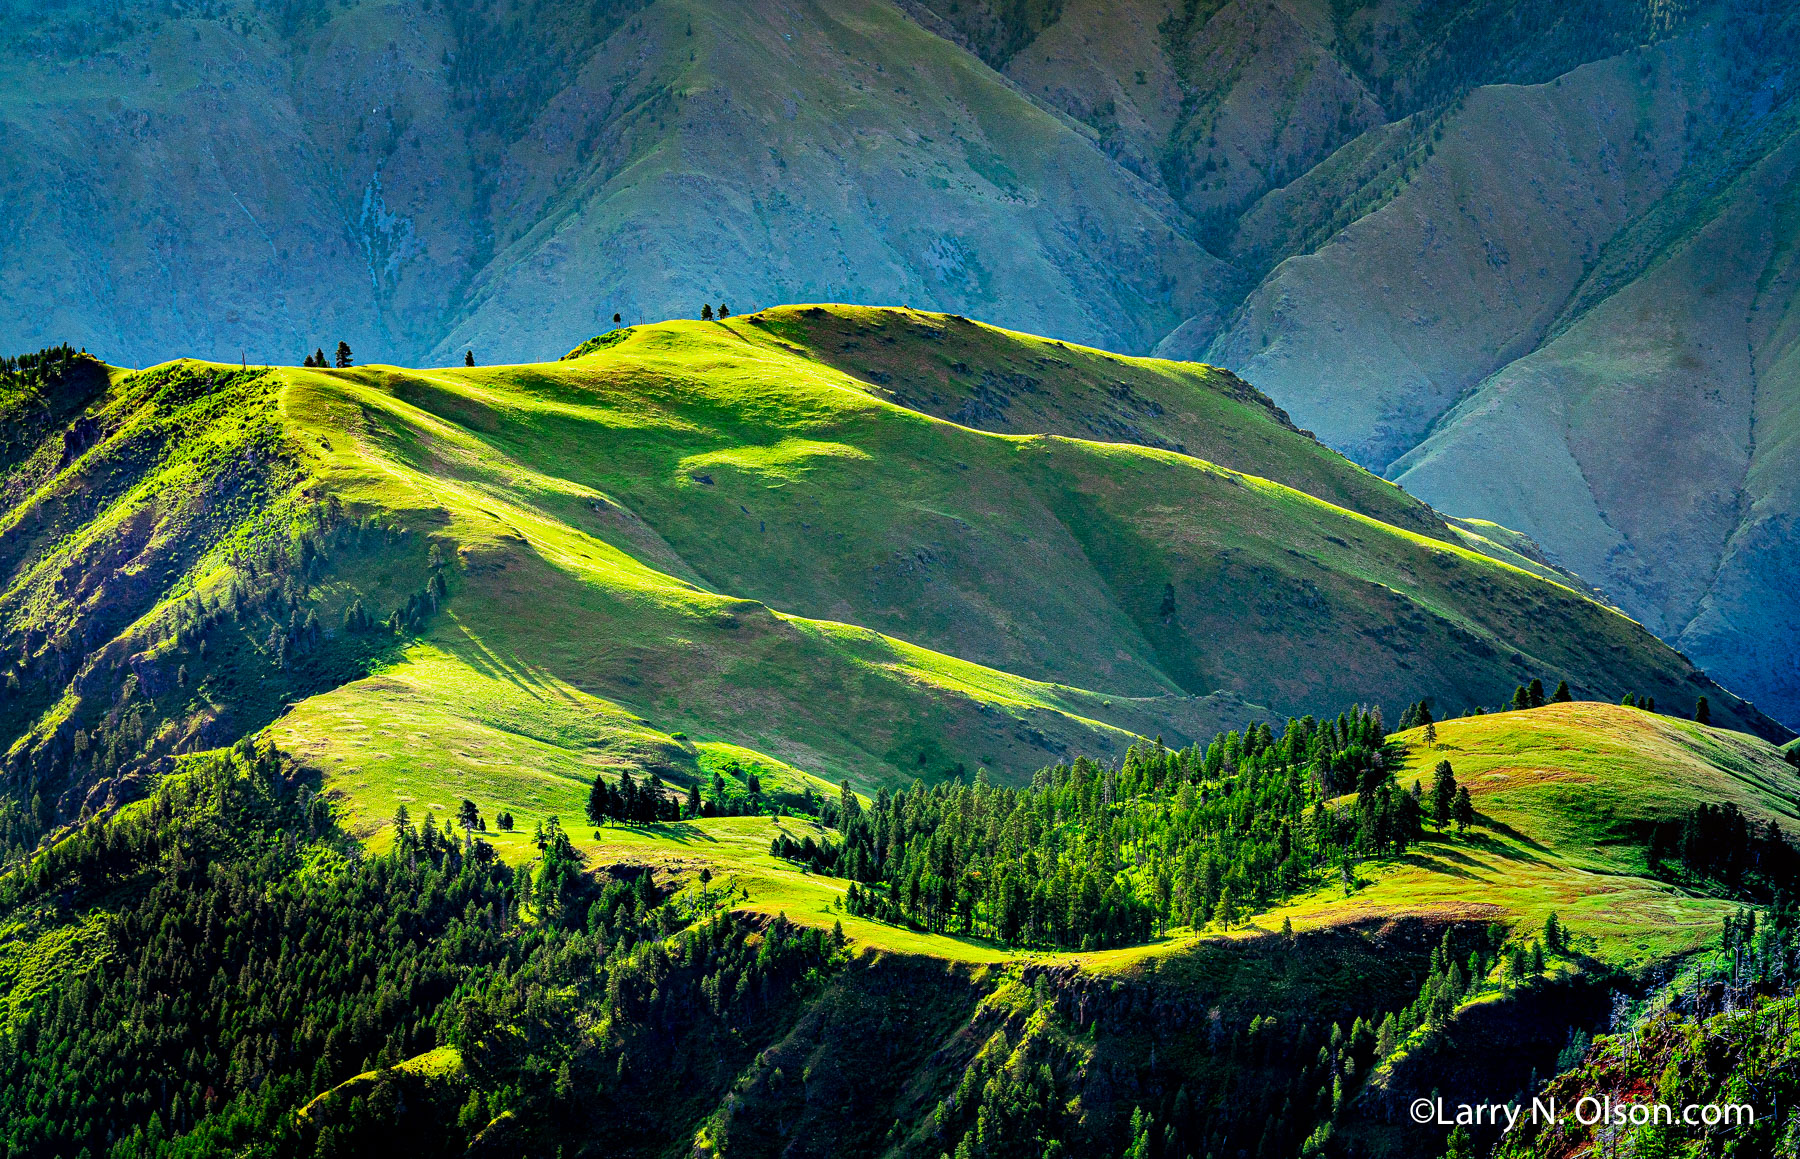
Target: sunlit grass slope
[[709, 489], [701, 549], [1566, 795], [1000, 380]]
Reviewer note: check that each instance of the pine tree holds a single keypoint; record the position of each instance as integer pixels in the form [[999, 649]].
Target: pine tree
[[1553, 934], [1140, 1135], [468, 816], [599, 801], [309, 361], [1561, 695], [617, 319], [344, 360], [1460, 1145], [1225, 913], [724, 311], [693, 799], [1465, 809], [1535, 692], [468, 358], [1443, 794], [318, 358], [1702, 711], [706, 314], [1521, 699], [1431, 734]]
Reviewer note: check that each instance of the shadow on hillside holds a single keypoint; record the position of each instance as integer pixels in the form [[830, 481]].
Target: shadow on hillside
[[680, 832], [1511, 834], [1448, 853], [1450, 864], [1487, 843], [477, 655]]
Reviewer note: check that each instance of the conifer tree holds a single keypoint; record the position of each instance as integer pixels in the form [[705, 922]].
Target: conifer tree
[[1561, 695], [344, 360], [1521, 699], [1443, 794], [1465, 809], [1534, 692], [1140, 1135], [599, 804], [1702, 711], [1225, 913], [706, 314], [318, 358], [468, 358]]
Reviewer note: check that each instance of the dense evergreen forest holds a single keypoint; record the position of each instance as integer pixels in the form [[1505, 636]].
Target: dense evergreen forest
[[255, 960], [1716, 845], [1089, 857], [258, 984], [258, 988]]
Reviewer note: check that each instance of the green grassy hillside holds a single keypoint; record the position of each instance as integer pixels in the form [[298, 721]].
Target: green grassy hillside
[[1567, 795], [702, 553], [696, 535], [708, 1006]]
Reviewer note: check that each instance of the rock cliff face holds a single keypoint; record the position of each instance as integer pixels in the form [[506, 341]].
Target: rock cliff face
[[1576, 318], [419, 181], [1530, 259]]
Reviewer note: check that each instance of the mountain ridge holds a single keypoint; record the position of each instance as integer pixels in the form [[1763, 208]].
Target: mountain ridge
[[1374, 212], [670, 490]]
